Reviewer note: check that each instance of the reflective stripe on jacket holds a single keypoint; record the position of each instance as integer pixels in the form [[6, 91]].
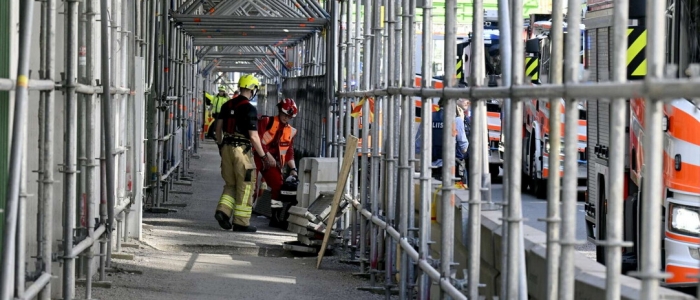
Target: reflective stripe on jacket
[[285, 139], [216, 102]]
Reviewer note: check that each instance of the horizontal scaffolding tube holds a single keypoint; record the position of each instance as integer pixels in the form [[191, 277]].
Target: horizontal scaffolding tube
[[87, 242], [33, 290], [243, 20], [47, 85], [34, 85], [411, 252], [661, 89]]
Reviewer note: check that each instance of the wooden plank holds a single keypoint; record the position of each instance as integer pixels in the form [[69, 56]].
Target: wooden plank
[[350, 149]]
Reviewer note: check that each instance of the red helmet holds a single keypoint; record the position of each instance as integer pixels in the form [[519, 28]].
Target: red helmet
[[288, 106]]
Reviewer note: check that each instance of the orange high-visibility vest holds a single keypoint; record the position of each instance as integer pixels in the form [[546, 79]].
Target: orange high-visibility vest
[[288, 133]]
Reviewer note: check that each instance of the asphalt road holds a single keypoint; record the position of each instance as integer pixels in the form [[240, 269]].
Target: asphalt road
[[534, 209]]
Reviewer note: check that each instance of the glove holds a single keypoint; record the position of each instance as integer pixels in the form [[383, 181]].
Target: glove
[[291, 178]]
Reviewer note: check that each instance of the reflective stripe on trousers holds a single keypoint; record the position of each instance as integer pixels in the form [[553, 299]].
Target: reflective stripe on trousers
[[238, 172]]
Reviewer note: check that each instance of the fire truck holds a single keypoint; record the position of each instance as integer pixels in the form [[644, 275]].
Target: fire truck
[[493, 71], [680, 254], [536, 117]]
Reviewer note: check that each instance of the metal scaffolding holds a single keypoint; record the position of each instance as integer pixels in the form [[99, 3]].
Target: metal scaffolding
[[102, 171], [132, 92], [386, 210]]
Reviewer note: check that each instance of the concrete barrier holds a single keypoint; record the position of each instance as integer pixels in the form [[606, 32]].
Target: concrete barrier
[[590, 275]]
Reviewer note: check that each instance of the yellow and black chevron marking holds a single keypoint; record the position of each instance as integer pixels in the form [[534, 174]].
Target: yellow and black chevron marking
[[532, 68], [460, 71], [636, 59]]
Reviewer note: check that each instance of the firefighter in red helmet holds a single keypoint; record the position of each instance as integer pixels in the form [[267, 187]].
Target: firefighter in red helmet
[[277, 139]]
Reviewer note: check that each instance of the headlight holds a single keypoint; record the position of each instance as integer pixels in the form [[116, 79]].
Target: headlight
[[546, 147], [685, 219]]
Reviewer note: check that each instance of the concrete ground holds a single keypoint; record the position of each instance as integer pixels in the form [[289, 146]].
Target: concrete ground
[[186, 255]]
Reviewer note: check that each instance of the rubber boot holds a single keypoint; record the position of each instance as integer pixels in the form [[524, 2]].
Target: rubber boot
[[277, 218], [223, 219], [240, 228]]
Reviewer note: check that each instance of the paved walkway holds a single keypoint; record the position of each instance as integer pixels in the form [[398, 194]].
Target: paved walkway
[[186, 255]]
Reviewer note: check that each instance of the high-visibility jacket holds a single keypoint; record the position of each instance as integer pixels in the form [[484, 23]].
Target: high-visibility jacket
[[277, 138], [216, 102]]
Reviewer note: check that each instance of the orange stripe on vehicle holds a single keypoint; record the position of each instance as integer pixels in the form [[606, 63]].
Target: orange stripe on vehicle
[[435, 83], [681, 274], [545, 173], [492, 114], [494, 127], [561, 107], [684, 126], [687, 179], [682, 238], [419, 104]]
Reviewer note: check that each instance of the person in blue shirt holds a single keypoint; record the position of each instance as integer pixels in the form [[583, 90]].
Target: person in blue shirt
[[461, 141], [466, 107]]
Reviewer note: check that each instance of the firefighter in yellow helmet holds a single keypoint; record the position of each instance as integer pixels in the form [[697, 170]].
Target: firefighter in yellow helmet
[[237, 135], [216, 102]]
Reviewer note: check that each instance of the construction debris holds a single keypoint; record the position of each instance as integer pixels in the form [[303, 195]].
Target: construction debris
[[310, 224]]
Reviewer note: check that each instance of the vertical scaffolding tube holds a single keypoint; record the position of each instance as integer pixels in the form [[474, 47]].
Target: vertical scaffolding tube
[[42, 121], [514, 153], [330, 61], [16, 153], [448, 148], [70, 154], [506, 64], [374, 35], [364, 161], [389, 170], [476, 154], [46, 245], [108, 125], [350, 54], [412, 148], [426, 152], [653, 143], [21, 238], [568, 228], [615, 209], [554, 184], [404, 144], [338, 138], [91, 153], [356, 132]]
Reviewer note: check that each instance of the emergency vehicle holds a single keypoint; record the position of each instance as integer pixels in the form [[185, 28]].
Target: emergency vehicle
[[680, 255], [493, 71], [536, 137]]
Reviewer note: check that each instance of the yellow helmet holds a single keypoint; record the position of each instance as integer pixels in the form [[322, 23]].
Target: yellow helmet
[[248, 82], [222, 88]]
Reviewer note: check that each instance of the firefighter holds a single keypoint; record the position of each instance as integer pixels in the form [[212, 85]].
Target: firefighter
[[237, 135], [216, 102], [277, 138]]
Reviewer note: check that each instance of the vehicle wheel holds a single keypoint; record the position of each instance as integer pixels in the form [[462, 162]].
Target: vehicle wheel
[[495, 170], [524, 183], [540, 188]]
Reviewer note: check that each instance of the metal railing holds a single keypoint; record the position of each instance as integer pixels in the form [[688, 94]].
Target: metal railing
[[386, 210]]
